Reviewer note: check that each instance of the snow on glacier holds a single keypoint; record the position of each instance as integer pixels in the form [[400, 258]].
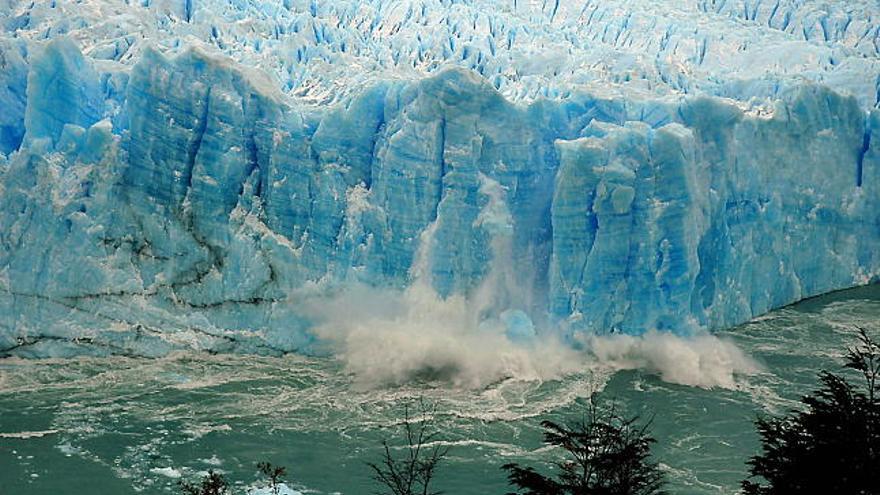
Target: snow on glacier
[[197, 174]]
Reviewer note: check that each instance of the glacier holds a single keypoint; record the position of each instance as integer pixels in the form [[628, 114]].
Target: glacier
[[196, 173]]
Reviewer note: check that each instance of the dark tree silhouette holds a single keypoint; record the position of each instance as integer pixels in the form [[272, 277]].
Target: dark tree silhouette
[[412, 472], [606, 454], [833, 444], [212, 484], [275, 475]]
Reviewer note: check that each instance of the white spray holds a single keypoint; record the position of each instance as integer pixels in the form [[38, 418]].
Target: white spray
[[388, 336]]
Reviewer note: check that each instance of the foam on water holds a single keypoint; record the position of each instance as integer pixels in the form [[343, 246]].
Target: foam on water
[[126, 422]]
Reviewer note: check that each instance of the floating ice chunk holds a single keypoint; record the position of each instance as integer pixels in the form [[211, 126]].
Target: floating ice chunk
[[168, 472], [283, 489]]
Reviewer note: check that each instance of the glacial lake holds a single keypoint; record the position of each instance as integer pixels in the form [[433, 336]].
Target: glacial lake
[[130, 425]]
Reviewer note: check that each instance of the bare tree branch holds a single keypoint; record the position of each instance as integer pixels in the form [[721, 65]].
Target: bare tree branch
[[414, 472]]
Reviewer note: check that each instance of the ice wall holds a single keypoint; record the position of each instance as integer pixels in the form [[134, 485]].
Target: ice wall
[[715, 218], [194, 182]]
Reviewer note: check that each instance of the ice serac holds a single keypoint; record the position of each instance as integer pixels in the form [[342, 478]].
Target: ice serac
[[62, 91], [577, 170], [703, 223], [627, 217], [13, 84]]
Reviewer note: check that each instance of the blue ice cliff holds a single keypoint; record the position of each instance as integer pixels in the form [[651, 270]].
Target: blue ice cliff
[[184, 174]]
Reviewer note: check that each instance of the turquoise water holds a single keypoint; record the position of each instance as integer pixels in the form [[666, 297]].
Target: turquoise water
[[128, 425]]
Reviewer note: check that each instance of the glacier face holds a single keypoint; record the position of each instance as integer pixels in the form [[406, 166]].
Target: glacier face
[[187, 174]]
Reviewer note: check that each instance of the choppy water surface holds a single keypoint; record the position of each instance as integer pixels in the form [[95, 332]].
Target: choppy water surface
[[125, 425]]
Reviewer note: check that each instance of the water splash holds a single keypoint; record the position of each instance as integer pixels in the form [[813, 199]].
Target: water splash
[[701, 361], [392, 337]]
